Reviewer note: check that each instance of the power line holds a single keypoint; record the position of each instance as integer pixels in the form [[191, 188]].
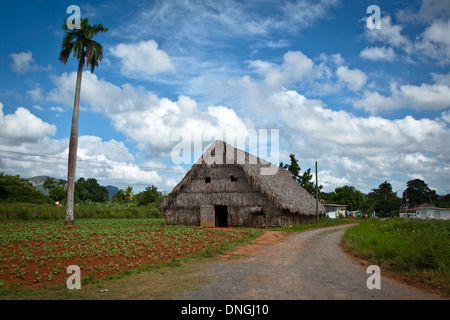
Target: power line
[[88, 161]]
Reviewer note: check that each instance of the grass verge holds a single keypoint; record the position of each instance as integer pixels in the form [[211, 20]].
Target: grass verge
[[414, 250]]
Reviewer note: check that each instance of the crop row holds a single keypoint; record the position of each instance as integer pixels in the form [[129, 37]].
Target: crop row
[[36, 252]]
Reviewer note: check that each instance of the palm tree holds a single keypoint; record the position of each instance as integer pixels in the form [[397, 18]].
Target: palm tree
[[128, 193], [88, 52]]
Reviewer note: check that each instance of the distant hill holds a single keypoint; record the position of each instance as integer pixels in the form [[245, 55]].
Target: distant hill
[[112, 190], [38, 183]]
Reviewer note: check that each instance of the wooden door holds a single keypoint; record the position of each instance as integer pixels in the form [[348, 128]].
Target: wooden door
[[207, 216]]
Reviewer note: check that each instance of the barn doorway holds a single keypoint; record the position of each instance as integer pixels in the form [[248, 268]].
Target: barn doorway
[[221, 216]]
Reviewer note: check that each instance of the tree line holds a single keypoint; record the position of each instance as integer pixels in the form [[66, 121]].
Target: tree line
[[17, 189], [382, 200]]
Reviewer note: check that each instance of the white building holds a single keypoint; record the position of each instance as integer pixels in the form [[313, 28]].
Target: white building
[[426, 211], [433, 213]]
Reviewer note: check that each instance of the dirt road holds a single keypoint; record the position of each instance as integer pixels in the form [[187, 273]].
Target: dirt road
[[307, 265]]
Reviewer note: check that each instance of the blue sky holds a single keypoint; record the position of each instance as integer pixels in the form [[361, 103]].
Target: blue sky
[[369, 105]]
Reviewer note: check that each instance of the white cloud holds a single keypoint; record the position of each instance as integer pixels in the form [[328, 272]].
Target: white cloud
[[429, 10], [424, 97], [35, 94], [378, 53], [110, 162], [354, 79], [143, 117], [201, 24], [441, 78], [389, 34], [22, 127], [56, 109], [143, 57], [22, 62], [434, 42], [363, 150]]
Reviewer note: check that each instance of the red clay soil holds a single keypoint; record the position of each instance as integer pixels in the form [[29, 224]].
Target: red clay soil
[[52, 271]]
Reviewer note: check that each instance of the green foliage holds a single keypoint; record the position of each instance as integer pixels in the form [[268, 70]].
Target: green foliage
[[29, 211], [15, 189], [58, 193], [80, 42], [386, 201], [119, 197], [305, 180], [355, 199], [418, 193], [51, 183], [148, 196], [443, 201], [90, 190]]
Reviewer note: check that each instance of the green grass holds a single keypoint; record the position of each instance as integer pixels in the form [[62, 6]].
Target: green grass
[[414, 248], [30, 211]]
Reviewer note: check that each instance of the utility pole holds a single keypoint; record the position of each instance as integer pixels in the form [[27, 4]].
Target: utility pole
[[406, 201], [317, 197]]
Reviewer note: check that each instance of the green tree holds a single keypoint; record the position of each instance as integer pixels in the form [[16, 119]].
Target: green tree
[[348, 195], [119, 196], [49, 183], [305, 180], [87, 52], [148, 196], [90, 190], [384, 198], [418, 192], [128, 194], [443, 201], [17, 189], [57, 193]]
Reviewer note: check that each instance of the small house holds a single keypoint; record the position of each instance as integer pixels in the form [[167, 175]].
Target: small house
[[426, 211]]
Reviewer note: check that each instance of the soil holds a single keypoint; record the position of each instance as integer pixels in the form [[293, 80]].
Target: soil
[[15, 273], [309, 265]]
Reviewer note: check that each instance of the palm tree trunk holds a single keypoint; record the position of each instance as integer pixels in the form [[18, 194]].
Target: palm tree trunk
[[73, 145]]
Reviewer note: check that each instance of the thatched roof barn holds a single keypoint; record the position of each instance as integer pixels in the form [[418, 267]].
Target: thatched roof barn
[[229, 187]]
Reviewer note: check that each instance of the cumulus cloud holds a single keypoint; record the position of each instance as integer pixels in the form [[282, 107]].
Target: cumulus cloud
[[363, 149], [22, 127], [143, 57], [424, 97], [354, 79], [295, 67], [142, 116], [378, 54]]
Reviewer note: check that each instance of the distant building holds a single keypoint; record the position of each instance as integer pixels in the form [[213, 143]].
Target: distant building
[[335, 210], [426, 211]]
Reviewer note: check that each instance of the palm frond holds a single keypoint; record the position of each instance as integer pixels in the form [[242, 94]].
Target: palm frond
[[80, 42]]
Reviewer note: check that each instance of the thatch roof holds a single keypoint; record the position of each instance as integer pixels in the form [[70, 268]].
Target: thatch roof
[[272, 181]]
